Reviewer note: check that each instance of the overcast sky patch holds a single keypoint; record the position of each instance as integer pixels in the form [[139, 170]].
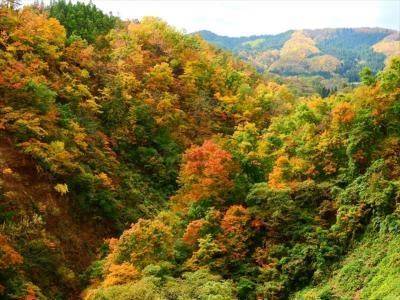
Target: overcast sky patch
[[238, 18]]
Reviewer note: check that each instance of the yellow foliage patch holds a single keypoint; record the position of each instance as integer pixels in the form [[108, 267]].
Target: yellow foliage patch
[[62, 188], [7, 171]]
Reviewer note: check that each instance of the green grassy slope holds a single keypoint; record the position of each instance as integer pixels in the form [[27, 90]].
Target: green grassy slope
[[370, 271]]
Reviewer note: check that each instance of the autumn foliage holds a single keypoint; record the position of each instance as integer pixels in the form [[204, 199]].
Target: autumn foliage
[[211, 181], [205, 174]]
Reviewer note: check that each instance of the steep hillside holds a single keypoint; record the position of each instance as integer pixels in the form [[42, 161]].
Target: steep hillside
[[341, 51], [138, 162], [269, 210], [92, 134], [54, 245], [369, 272], [390, 45]]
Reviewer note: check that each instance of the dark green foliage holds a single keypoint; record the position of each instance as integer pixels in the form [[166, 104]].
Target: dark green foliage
[[246, 289], [355, 59], [353, 48], [80, 19]]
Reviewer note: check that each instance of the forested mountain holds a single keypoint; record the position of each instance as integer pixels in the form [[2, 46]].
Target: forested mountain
[[326, 52], [137, 162]]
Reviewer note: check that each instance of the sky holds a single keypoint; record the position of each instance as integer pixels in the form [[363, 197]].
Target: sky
[[241, 18]]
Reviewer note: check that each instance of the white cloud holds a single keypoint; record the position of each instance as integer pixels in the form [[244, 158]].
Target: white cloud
[[236, 18]]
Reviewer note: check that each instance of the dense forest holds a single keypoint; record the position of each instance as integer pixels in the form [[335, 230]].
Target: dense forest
[[138, 162], [327, 52]]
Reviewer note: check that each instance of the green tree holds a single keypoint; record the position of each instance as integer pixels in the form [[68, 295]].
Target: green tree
[[83, 20], [367, 77]]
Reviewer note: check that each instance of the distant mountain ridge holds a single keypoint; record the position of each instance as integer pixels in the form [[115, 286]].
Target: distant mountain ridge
[[327, 52], [236, 43]]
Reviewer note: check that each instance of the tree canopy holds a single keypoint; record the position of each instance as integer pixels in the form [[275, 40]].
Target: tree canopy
[[177, 169]]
